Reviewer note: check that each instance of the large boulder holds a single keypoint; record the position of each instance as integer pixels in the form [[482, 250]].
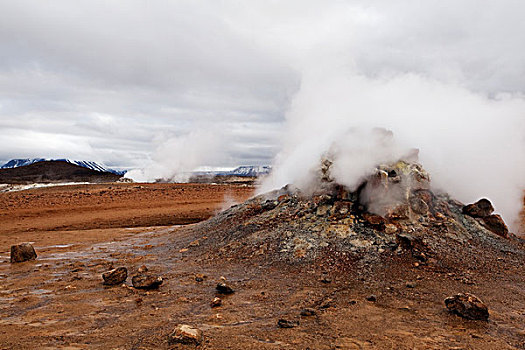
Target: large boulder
[[495, 224], [22, 252], [467, 306], [115, 276], [184, 334], [480, 209]]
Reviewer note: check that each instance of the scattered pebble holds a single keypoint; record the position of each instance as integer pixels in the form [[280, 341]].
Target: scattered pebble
[[216, 302], [184, 334], [327, 303], [283, 323], [223, 288], [308, 312], [372, 298], [390, 228], [326, 279]]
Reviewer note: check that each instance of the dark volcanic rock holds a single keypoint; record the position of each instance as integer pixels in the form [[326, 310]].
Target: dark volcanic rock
[[371, 298], [223, 288], [495, 224], [146, 281], [115, 276], [480, 209], [184, 334], [22, 252], [467, 306], [326, 303], [376, 221], [283, 323], [406, 241], [269, 205], [325, 279], [308, 312], [411, 285]]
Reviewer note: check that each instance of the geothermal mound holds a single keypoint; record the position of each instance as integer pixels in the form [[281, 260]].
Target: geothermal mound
[[393, 212]]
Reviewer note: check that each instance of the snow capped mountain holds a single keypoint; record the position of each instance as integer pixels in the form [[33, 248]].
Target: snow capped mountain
[[243, 171], [14, 163], [250, 170]]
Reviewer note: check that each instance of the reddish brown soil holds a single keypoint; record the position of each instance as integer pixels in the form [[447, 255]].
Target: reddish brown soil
[[34, 215], [59, 301]]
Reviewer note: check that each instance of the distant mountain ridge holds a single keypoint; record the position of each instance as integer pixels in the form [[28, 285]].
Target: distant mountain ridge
[[242, 171], [54, 171], [251, 170], [15, 163]]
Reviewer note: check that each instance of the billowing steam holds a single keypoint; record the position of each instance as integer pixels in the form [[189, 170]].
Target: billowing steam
[[471, 144], [175, 158], [379, 79]]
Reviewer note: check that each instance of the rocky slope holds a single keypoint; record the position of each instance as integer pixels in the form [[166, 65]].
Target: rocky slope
[[335, 223]]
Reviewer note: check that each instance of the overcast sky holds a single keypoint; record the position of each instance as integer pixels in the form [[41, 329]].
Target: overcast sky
[[122, 81]]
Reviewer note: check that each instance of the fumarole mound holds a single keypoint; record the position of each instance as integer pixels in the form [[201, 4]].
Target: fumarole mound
[[393, 212]]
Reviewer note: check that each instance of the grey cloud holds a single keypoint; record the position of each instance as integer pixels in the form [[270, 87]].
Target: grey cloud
[[114, 81], [128, 74]]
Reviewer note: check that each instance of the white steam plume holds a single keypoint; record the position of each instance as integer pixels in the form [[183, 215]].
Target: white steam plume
[[472, 145], [175, 158]]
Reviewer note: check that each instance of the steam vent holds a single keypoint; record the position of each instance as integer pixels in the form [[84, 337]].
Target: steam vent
[[391, 264], [393, 212]]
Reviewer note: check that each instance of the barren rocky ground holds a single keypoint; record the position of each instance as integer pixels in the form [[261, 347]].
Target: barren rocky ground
[[26, 214], [58, 301]]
